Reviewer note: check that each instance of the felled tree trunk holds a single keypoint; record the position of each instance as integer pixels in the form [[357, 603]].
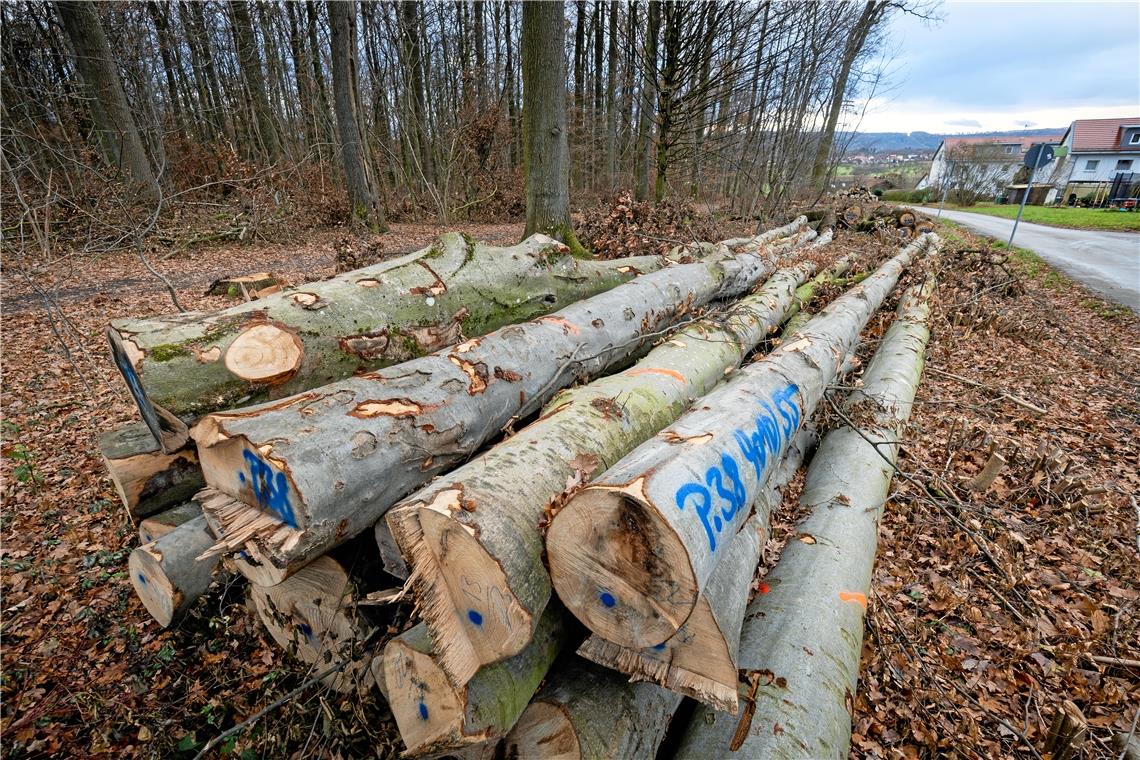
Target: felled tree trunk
[[586, 712], [435, 716], [147, 479], [801, 641], [167, 573], [700, 660], [631, 553], [246, 286], [482, 522], [186, 365], [312, 616], [313, 470], [156, 526]]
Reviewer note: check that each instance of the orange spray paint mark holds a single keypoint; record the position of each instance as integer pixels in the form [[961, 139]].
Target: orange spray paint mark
[[565, 324], [854, 596], [763, 588], [658, 371]]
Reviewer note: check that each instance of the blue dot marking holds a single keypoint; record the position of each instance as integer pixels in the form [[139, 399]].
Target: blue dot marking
[[660, 647], [241, 477], [142, 578], [306, 629], [423, 711], [607, 599], [475, 617]]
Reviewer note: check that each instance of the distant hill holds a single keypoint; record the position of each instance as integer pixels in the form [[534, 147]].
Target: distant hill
[[904, 142]]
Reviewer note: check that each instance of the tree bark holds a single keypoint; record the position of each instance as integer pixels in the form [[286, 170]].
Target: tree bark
[[167, 574], [611, 98], [194, 363], [645, 116], [118, 133], [586, 712], [361, 189], [496, 538], [156, 526], [310, 471], [665, 488], [434, 716], [147, 479], [802, 641], [546, 154]]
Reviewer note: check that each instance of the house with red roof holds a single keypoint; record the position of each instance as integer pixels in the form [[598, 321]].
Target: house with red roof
[[1103, 160]]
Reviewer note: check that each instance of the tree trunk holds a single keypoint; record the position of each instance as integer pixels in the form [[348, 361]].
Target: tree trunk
[[165, 50], [199, 362], [435, 716], [308, 472], [249, 58], [146, 479], [586, 712], [675, 16], [156, 526], [168, 576], [546, 154], [497, 539], [700, 660], [312, 616], [590, 542], [808, 629], [611, 98], [408, 16], [361, 190], [873, 13], [645, 116], [118, 134]]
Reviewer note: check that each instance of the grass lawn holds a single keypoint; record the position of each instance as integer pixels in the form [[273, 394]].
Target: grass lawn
[[1075, 218]]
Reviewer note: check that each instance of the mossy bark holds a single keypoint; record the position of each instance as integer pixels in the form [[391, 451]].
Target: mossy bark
[[361, 320]]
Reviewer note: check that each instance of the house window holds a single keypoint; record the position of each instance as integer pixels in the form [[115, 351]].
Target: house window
[[1124, 165], [1135, 139], [1092, 164], [1010, 148]]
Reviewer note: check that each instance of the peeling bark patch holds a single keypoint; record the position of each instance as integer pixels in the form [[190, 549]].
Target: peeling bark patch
[[368, 283], [476, 374], [438, 287], [608, 407], [567, 326], [628, 313], [309, 301], [629, 270], [857, 597], [466, 346], [367, 346], [209, 355], [506, 374], [393, 407], [363, 444], [671, 437], [598, 323], [658, 371], [807, 538]]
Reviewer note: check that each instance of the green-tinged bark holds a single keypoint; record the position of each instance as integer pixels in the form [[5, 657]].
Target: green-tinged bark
[[435, 716], [481, 523], [802, 641], [199, 362]]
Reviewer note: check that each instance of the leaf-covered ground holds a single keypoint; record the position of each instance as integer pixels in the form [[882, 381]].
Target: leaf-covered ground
[[987, 610]]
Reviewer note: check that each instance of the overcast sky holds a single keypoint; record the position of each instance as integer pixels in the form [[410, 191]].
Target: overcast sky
[[1003, 65]]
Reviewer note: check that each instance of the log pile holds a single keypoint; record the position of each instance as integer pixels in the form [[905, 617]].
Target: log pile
[[582, 558]]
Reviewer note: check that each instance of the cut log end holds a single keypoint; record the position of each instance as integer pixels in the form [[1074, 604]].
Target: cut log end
[[544, 731], [247, 473], [265, 353], [424, 703], [155, 590], [620, 568], [310, 616], [478, 620]]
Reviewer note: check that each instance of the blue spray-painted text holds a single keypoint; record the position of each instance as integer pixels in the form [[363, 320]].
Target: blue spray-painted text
[[759, 445], [271, 489]]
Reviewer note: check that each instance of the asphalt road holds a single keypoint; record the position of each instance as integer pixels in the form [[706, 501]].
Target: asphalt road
[[1107, 262]]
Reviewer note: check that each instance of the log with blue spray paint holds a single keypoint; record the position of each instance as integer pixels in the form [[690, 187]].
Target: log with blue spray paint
[[631, 553]]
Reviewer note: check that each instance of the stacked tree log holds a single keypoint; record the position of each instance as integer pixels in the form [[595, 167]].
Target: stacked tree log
[[642, 489]]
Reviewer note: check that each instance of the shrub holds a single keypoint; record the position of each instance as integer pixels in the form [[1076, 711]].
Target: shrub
[[908, 196]]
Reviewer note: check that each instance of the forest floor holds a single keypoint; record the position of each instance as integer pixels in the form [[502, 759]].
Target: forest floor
[[987, 610]]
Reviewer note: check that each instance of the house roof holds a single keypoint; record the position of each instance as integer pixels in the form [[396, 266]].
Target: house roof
[[1024, 141], [1102, 134]]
